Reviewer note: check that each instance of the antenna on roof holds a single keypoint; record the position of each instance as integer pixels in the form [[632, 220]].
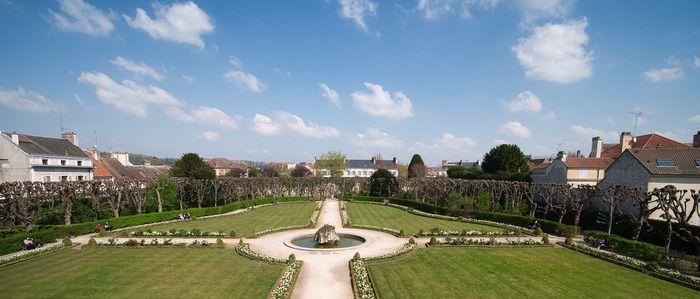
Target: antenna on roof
[[559, 146], [636, 117], [60, 119]]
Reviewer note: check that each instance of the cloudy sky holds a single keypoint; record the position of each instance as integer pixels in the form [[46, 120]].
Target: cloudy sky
[[287, 80]]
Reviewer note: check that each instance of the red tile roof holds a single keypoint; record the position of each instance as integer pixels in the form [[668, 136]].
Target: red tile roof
[[100, 171], [648, 141], [579, 162], [223, 163]]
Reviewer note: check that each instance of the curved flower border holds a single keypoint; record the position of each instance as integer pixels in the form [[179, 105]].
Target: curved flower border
[[244, 250], [361, 282], [29, 254], [285, 284]]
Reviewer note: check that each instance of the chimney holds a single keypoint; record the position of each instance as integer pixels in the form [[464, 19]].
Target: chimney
[[696, 140], [444, 162], [71, 137], [374, 160], [596, 147], [394, 159], [95, 153], [625, 141], [562, 155], [15, 138]]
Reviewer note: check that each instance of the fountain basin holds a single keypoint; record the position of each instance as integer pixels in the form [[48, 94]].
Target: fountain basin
[[307, 242]]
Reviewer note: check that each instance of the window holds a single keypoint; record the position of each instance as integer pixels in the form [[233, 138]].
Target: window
[[80, 163], [63, 162], [47, 179], [583, 173], [79, 178], [44, 161], [665, 163], [64, 178], [697, 163]]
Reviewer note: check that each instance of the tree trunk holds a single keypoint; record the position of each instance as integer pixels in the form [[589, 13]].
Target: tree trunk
[[69, 211], [160, 200], [610, 216], [669, 233]]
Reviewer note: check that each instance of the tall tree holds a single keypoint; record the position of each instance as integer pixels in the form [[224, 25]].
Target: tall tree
[[383, 183], [192, 166], [416, 169], [505, 158], [333, 162]]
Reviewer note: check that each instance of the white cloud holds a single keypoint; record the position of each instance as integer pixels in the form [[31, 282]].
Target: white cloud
[[695, 119], [591, 132], [138, 68], [374, 138], [533, 10], [330, 94], [30, 101], [663, 74], [381, 103], [434, 9], [187, 79], [179, 22], [452, 142], [358, 10], [514, 128], [233, 60], [79, 16], [448, 146], [696, 62], [550, 115], [205, 115], [556, 53], [210, 136], [264, 125], [244, 79], [128, 96], [526, 101], [301, 127]]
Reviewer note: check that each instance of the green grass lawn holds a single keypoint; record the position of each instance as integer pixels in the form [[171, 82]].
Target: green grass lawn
[[386, 216], [280, 215], [515, 273], [139, 273]]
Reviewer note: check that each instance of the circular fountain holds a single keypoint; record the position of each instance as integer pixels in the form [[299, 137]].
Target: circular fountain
[[326, 239]]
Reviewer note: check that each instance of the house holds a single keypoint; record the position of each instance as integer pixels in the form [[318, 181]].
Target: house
[[109, 166], [223, 166], [649, 169], [363, 168], [571, 170], [445, 165], [43, 159], [100, 172], [627, 141]]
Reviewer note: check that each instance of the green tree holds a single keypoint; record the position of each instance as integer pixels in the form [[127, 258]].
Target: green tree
[[299, 171], [271, 172], [505, 158], [253, 172], [416, 169], [332, 161], [192, 166], [383, 183]]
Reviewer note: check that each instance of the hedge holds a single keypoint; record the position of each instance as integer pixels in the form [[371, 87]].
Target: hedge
[[49, 233], [639, 250], [550, 227]]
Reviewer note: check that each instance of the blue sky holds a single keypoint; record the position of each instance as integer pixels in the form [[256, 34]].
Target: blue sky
[[288, 80]]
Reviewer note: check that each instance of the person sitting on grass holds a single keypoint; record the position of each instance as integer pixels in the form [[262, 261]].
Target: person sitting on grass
[[29, 244], [98, 228], [108, 227], [601, 243]]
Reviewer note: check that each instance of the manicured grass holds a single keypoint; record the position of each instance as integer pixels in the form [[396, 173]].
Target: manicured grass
[[390, 217], [280, 215], [139, 273], [514, 273]]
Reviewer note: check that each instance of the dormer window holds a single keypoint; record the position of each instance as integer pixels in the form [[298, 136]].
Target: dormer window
[[63, 162], [697, 162], [80, 163], [44, 161], [665, 163]]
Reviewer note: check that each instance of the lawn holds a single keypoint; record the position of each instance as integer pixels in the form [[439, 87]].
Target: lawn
[[139, 273], [390, 217], [280, 215], [514, 272]]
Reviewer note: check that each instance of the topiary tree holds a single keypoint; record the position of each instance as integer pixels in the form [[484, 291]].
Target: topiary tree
[[416, 168], [383, 183], [505, 158], [192, 166]]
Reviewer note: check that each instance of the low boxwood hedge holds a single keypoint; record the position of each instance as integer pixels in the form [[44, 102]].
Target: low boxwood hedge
[[420, 206], [639, 250], [550, 227], [48, 233]]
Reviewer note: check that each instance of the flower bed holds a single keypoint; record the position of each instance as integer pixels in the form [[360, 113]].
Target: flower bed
[[29, 254], [487, 242], [466, 233], [635, 264], [180, 233], [361, 282], [315, 214], [408, 247], [244, 250], [153, 243], [276, 229], [392, 231], [284, 286]]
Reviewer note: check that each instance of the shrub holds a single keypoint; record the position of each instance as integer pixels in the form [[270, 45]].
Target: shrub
[[401, 232], [220, 243], [92, 242], [569, 241], [411, 241], [433, 241], [67, 242], [232, 234], [420, 232], [640, 250], [196, 232], [545, 239], [653, 267], [538, 231], [356, 257], [292, 258], [130, 243], [153, 242]]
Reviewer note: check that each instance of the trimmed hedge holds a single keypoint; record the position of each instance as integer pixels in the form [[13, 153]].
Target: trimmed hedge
[[639, 250], [550, 227], [49, 233]]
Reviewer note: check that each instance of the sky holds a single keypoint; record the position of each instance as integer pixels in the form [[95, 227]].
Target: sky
[[289, 80]]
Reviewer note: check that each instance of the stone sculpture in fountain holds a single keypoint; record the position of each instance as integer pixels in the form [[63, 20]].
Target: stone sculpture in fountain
[[326, 235]]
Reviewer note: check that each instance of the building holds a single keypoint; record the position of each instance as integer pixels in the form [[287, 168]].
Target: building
[[362, 168], [627, 141], [43, 159], [649, 169], [571, 170], [445, 165], [223, 166]]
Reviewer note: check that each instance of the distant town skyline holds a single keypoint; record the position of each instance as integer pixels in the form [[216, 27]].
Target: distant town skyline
[[286, 81]]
